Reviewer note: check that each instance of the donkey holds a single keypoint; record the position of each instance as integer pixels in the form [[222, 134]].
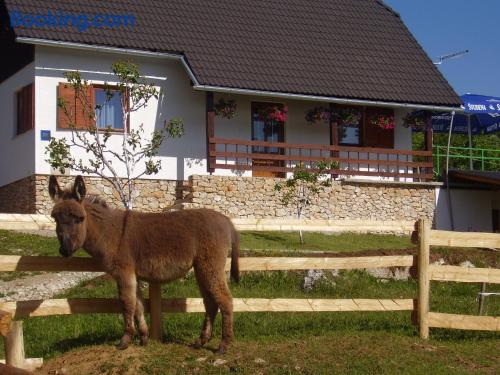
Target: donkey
[[158, 247]]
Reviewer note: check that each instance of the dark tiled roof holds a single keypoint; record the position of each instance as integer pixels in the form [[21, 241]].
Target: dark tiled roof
[[358, 49]]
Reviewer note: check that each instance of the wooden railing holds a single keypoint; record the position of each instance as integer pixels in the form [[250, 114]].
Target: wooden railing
[[236, 154]]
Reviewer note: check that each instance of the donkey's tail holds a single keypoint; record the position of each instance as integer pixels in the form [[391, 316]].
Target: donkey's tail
[[235, 254]]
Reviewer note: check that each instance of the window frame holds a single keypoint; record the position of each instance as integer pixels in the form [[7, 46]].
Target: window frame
[[21, 129], [361, 127], [92, 87], [127, 100]]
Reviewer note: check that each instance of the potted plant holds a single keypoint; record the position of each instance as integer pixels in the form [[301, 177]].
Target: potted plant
[[415, 120], [274, 113], [225, 108], [318, 114], [383, 120]]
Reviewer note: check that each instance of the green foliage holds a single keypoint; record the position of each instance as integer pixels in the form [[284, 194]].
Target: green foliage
[[304, 184], [139, 150]]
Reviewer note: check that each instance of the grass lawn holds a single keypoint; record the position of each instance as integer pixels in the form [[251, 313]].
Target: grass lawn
[[274, 343]]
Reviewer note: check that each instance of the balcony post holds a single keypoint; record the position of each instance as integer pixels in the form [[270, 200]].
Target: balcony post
[[428, 134], [210, 131], [334, 134]]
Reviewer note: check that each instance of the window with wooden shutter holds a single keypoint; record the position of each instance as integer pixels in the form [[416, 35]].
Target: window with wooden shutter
[[375, 136], [78, 111], [25, 103]]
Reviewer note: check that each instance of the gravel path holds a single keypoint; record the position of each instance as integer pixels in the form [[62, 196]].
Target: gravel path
[[42, 286]]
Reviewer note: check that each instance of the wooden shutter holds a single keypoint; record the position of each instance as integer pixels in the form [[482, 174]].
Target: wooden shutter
[[375, 136], [25, 109], [75, 115]]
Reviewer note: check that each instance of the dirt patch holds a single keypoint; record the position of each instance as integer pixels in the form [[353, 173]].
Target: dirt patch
[[97, 360]]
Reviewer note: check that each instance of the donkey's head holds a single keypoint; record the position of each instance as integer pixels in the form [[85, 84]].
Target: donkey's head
[[69, 214]]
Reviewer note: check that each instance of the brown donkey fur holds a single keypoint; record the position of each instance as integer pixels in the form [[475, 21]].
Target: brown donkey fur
[[157, 247]]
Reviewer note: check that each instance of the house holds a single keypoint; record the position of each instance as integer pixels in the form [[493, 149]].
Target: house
[[355, 58]]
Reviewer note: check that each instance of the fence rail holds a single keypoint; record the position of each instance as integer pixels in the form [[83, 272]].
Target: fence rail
[[26, 309], [76, 264], [466, 158]]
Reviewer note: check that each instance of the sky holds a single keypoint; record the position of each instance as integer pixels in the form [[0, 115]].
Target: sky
[[448, 26]]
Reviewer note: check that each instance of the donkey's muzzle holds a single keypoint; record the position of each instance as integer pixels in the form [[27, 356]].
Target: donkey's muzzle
[[66, 249], [65, 252]]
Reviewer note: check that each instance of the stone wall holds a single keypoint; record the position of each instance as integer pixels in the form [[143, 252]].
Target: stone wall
[[31, 194], [18, 197], [246, 197], [241, 197]]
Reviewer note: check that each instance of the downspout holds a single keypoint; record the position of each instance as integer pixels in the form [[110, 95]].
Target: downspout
[[450, 209], [471, 164]]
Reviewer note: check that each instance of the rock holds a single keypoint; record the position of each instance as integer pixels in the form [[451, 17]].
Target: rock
[[259, 360], [219, 362], [467, 264], [311, 278]]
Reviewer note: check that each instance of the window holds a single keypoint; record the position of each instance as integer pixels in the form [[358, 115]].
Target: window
[[350, 124], [264, 128], [25, 109], [109, 113], [80, 115], [355, 127]]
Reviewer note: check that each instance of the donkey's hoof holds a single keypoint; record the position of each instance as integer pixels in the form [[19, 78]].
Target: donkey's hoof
[[122, 346], [222, 349], [198, 344]]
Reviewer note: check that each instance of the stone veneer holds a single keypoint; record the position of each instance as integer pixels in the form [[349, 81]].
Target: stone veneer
[[30, 195], [255, 197], [18, 197], [242, 197]]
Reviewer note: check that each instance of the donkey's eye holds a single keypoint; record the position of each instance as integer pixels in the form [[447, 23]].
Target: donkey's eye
[[77, 219]]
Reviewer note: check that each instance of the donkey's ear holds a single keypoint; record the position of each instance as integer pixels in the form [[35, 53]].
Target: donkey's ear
[[79, 189], [55, 191]]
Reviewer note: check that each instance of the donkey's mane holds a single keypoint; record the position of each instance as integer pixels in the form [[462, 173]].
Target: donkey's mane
[[96, 200]]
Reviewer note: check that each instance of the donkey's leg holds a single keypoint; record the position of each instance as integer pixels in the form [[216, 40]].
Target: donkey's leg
[[211, 308], [127, 289], [215, 283], [223, 297], [139, 316]]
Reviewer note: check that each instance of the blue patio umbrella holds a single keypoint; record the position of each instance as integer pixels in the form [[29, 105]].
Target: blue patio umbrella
[[481, 115]]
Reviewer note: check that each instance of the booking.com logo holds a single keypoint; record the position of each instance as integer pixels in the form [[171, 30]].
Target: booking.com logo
[[80, 22]]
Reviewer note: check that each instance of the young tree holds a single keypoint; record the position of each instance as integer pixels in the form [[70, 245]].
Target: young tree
[[305, 183], [138, 153]]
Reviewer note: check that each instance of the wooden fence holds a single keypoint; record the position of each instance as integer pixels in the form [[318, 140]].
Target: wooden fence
[[428, 273], [155, 305]]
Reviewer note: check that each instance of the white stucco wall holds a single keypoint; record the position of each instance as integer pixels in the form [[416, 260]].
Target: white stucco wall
[[180, 157], [17, 152], [471, 209]]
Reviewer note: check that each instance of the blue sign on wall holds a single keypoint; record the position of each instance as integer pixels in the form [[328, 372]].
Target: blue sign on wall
[[45, 135]]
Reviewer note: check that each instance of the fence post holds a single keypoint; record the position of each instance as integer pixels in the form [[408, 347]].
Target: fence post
[[14, 345], [155, 310], [423, 277]]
